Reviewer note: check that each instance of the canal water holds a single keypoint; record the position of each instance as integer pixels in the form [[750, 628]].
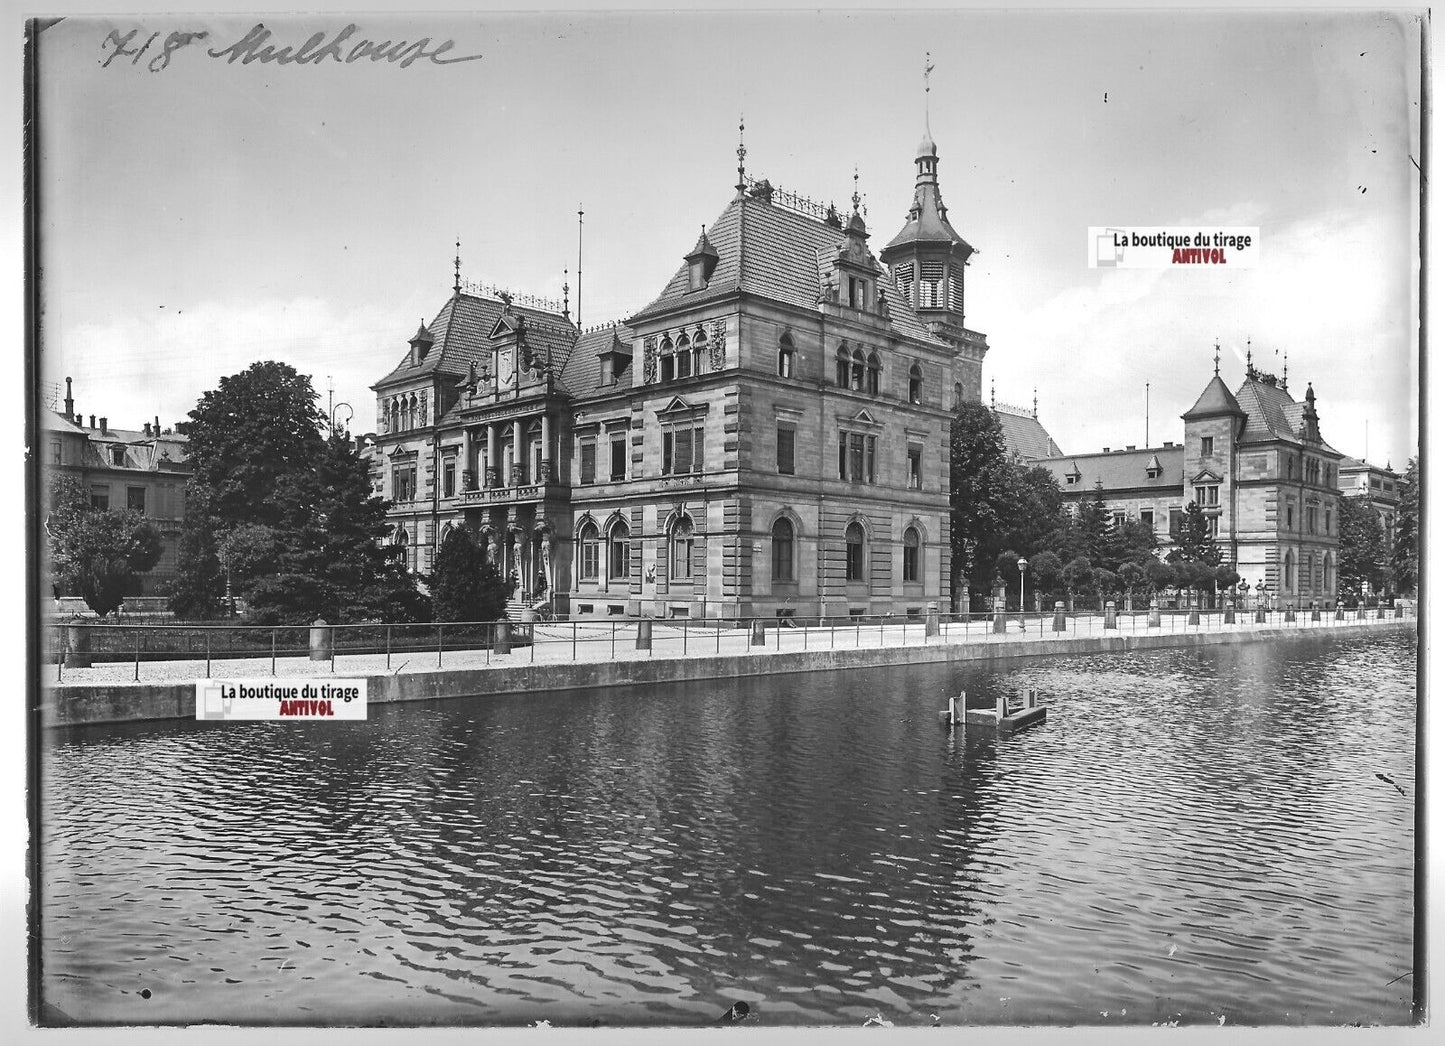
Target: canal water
[[1192, 836]]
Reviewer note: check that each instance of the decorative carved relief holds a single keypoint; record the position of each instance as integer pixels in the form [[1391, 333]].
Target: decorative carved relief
[[719, 343], [649, 360], [423, 409]]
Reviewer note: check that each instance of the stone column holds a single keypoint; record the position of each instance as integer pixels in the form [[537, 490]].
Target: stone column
[[547, 470], [492, 450], [517, 452]]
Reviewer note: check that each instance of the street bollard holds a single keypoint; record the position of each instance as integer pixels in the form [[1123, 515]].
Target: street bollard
[[1399, 611], [930, 624], [757, 635], [1289, 614], [1111, 617], [1229, 614], [502, 637], [644, 634], [1339, 613], [1259, 618], [1193, 616], [321, 641], [1314, 611], [1154, 619], [77, 654], [1061, 623]]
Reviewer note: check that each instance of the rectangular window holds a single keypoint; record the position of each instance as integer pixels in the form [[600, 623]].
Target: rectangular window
[[100, 498], [135, 499], [787, 439], [1327, 521], [1206, 445], [855, 457], [1176, 519], [619, 456], [587, 453], [1207, 496], [1289, 517], [589, 557], [449, 479], [55, 452], [915, 468], [1119, 518], [537, 462], [681, 450], [1146, 516], [117, 455], [619, 554], [1310, 519], [403, 482], [682, 557], [910, 563]]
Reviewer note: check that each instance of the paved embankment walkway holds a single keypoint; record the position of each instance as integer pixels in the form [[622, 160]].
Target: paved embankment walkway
[[592, 655]]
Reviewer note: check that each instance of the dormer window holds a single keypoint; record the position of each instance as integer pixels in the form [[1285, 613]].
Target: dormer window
[[859, 293], [700, 263], [117, 455]]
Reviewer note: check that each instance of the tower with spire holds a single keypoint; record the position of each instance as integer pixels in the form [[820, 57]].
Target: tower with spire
[[928, 258]]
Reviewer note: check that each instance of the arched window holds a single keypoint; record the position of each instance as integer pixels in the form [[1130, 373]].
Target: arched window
[[853, 543], [910, 555], [684, 357], [619, 552], [855, 373], [681, 545], [699, 352], [785, 357], [588, 547], [401, 537], [411, 412], [395, 417], [875, 373], [1288, 569], [915, 384], [783, 551], [843, 366], [667, 365], [1329, 565]]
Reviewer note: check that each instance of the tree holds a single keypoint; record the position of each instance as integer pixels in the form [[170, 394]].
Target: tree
[[1093, 526], [1133, 578], [329, 555], [1131, 541], [1405, 557], [465, 585], [94, 551], [981, 483], [1362, 562], [1078, 577], [1196, 543], [1048, 571], [1161, 575]]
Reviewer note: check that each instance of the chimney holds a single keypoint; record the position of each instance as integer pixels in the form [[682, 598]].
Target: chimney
[[69, 401], [103, 432], [1106, 450], [1169, 443], [147, 428], [80, 421], [1130, 447], [157, 427], [92, 421]]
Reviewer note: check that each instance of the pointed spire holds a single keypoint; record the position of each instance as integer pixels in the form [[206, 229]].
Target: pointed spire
[[1284, 381], [1216, 359], [565, 290], [927, 130], [856, 197], [742, 156], [1248, 358], [1036, 403], [457, 269], [991, 398]]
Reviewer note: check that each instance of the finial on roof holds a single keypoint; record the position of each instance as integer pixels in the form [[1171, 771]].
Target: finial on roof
[[742, 155], [1036, 403], [1284, 381], [991, 401], [457, 269], [1248, 358], [565, 288], [1216, 359], [856, 197]]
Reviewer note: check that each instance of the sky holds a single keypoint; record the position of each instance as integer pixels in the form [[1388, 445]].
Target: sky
[[201, 217]]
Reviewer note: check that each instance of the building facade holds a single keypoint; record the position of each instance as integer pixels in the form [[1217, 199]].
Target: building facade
[[768, 436], [1255, 462], [143, 469]]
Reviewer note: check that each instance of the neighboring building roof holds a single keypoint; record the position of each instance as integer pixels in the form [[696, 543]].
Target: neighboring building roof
[[141, 450], [1118, 470], [1216, 399], [776, 253], [582, 373], [1024, 435], [460, 334]]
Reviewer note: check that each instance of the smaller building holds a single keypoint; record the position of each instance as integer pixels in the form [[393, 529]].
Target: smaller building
[[1256, 464], [1360, 479], [142, 469]]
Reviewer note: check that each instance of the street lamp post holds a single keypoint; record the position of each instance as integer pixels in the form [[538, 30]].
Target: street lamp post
[[1023, 565]]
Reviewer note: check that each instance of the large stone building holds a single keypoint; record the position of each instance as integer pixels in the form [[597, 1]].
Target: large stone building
[[143, 469], [1254, 460], [768, 436]]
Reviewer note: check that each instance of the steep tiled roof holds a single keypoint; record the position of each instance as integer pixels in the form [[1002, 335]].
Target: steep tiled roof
[[459, 335], [779, 254], [1117, 470], [1214, 400], [1271, 413], [141, 450], [582, 374], [1025, 436]]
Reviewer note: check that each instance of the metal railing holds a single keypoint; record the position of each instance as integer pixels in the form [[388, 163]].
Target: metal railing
[[114, 652]]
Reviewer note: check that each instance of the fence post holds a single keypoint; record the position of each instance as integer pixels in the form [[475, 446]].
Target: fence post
[[137, 654], [684, 637], [439, 644], [388, 646], [64, 650], [574, 641], [208, 653], [273, 653], [613, 625], [532, 657]]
